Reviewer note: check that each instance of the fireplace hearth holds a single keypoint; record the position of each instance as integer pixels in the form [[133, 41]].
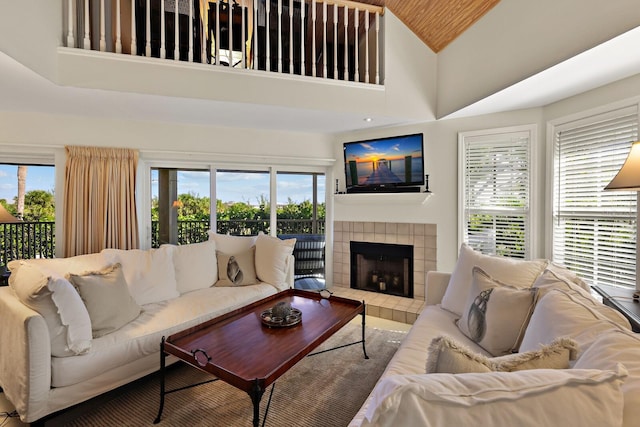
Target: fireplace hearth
[[382, 267]]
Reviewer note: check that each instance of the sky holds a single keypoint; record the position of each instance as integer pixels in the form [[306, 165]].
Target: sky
[[38, 178], [232, 187]]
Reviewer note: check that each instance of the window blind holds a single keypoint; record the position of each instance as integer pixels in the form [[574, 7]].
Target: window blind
[[594, 231], [496, 193]]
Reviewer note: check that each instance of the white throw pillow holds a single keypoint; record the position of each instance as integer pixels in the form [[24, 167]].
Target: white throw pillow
[[232, 244], [55, 299], [272, 255], [149, 273], [445, 355], [517, 273], [237, 269], [195, 265], [496, 314], [106, 295], [607, 352], [531, 398], [566, 313]]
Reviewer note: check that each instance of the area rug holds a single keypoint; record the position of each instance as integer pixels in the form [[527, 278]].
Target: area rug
[[323, 390]]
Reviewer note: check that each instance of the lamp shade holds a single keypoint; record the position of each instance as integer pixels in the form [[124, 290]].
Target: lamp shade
[[628, 177]]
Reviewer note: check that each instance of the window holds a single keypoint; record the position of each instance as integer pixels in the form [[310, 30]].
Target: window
[[180, 206], [242, 202], [301, 207], [27, 212], [495, 194], [594, 231]]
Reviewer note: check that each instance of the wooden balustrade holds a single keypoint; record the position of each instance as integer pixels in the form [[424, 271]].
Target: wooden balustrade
[[332, 39]]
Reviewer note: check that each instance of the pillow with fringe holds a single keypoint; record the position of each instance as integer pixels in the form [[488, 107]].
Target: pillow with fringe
[[445, 355]]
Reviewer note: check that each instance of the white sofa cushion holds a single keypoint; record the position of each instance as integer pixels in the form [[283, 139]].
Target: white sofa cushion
[[446, 355], [195, 266], [532, 398], [567, 313], [605, 353], [517, 273], [63, 266], [106, 295], [58, 303], [149, 273], [496, 314], [272, 256], [232, 244]]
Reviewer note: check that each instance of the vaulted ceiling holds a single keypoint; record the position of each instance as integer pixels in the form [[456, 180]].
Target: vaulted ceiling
[[437, 22]]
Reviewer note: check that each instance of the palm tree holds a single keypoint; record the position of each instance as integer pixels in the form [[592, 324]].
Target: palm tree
[[22, 180]]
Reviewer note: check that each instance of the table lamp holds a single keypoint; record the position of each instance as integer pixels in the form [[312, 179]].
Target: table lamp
[[628, 178]]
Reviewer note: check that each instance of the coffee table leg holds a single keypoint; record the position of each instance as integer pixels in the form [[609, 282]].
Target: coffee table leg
[[364, 349], [256, 395], [162, 372]]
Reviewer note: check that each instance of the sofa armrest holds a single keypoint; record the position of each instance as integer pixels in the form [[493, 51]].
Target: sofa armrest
[[25, 358], [436, 286]]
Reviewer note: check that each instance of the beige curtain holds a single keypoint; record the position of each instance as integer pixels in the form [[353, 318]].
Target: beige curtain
[[99, 195]]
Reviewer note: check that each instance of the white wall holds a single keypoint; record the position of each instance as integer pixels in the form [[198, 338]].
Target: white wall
[[519, 38], [441, 163]]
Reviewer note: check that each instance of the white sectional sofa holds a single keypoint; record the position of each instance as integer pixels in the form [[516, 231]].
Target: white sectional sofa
[[74, 328], [577, 361]]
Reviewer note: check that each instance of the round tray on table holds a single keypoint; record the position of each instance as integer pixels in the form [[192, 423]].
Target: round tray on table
[[292, 319]]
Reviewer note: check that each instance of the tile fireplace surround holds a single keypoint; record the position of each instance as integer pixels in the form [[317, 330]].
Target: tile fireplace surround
[[423, 239]]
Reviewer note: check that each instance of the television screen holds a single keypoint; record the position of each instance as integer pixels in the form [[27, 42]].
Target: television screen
[[384, 163]]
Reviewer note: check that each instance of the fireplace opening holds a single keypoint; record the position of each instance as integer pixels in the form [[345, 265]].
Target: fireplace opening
[[382, 267]]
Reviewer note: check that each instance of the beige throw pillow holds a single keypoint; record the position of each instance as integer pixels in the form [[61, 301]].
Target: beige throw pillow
[[496, 314], [106, 295], [237, 269], [445, 355]]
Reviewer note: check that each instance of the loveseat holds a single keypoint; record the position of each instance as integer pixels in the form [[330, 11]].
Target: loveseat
[[505, 342], [74, 328]]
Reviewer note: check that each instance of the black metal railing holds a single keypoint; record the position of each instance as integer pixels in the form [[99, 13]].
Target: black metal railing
[[26, 240], [23, 240], [196, 231]]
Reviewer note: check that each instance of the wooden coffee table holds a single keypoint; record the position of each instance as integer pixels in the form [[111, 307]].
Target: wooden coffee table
[[240, 350]]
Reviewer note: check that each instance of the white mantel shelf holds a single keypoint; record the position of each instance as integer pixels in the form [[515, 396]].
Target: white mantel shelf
[[364, 198]]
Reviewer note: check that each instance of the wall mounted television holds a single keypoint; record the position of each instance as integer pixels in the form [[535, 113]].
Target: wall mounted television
[[393, 164]]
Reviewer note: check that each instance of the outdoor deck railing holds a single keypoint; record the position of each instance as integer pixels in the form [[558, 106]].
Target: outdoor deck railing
[[334, 39], [27, 240]]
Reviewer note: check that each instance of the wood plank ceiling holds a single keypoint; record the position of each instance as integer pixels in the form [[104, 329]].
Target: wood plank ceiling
[[437, 22]]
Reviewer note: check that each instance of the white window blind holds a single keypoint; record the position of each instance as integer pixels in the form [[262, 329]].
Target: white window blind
[[496, 193], [594, 231]]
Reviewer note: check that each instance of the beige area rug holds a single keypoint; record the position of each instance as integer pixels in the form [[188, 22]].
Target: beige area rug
[[325, 390]]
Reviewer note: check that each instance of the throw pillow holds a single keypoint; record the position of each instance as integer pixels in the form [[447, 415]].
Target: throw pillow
[[566, 313], [195, 266], [272, 256], [495, 314], [517, 273], [445, 355], [237, 269], [106, 295], [149, 273], [55, 299], [232, 244], [531, 398]]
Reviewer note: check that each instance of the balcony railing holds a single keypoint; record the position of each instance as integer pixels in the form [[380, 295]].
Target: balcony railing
[[196, 231], [333, 39], [26, 240]]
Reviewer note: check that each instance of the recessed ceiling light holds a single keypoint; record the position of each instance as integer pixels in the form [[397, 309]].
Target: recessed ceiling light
[[368, 119]]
